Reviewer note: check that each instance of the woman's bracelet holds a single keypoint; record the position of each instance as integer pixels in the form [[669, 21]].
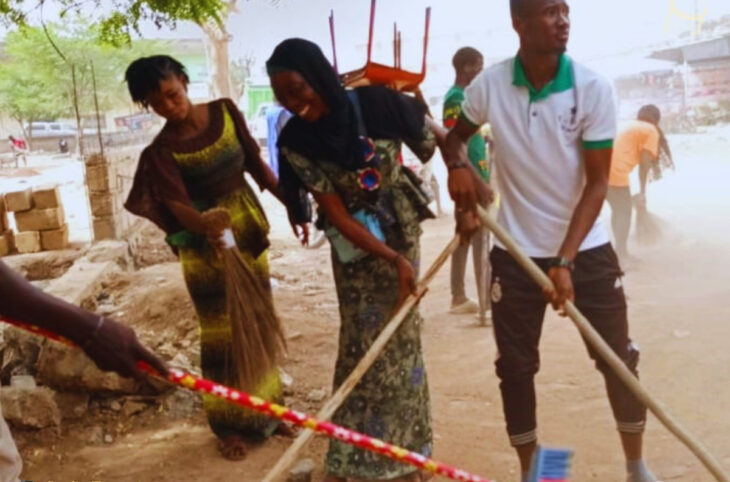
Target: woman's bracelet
[[92, 338]]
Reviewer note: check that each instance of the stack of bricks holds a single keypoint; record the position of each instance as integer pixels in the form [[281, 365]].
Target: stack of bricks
[[39, 219], [101, 180], [109, 179]]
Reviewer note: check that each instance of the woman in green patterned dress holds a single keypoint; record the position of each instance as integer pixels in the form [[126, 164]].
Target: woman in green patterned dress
[[196, 163], [343, 148]]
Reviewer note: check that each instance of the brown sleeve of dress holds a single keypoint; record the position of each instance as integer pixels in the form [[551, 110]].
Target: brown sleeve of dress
[[157, 181], [166, 180], [254, 162]]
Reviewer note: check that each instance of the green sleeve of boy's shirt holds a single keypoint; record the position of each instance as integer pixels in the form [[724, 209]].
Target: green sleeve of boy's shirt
[[477, 153], [452, 107]]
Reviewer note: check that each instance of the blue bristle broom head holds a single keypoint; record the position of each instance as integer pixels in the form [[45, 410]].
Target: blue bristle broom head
[[550, 465]]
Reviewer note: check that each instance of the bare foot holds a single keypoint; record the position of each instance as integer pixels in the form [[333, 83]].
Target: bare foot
[[232, 448]]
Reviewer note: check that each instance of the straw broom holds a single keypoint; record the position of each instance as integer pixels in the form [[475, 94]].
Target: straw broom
[[258, 337], [649, 227]]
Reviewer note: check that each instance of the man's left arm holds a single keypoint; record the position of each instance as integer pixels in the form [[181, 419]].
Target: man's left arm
[[599, 130], [597, 166]]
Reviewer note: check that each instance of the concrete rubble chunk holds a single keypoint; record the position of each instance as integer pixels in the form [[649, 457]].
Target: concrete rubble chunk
[[132, 408], [23, 381], [82, 281], [302, 472], [69, 369], [20, 353], [30, 408], [44, 266], [111, 250], [317, 395], [96, 435], [18, 201]]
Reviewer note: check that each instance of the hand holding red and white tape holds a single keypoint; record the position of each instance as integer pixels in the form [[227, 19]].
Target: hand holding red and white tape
[[243, 399]]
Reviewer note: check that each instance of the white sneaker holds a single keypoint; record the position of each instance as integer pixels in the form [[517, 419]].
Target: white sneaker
[[467, 307]]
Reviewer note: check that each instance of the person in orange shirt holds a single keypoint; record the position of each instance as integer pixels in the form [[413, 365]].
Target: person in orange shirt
[[640, 143]]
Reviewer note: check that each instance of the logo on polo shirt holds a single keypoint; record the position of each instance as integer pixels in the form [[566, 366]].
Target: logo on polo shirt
[[570, 125]]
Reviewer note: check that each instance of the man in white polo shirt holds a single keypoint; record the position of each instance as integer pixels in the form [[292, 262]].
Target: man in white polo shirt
[[553, 123]]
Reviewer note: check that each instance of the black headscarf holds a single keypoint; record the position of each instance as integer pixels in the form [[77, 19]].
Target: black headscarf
[[386, 114]]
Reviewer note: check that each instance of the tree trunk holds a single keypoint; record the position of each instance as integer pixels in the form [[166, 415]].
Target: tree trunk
[[79, 130], [217, 40]]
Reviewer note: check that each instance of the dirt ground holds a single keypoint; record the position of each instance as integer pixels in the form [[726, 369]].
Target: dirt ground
[[678, 312]]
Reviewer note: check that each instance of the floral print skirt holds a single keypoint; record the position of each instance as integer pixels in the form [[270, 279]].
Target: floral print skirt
[[391, 402]]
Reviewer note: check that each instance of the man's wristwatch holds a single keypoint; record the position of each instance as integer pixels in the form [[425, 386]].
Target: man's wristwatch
[[457, 165], [561, 262]]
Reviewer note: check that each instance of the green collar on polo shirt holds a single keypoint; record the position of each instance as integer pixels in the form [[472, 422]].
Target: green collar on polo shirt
[[563, 79]]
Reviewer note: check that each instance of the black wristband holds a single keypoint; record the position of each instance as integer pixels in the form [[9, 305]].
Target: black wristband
[[561, 262]]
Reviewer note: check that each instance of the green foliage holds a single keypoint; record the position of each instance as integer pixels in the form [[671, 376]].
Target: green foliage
[[24, 96], [125, 17], [36, 82]]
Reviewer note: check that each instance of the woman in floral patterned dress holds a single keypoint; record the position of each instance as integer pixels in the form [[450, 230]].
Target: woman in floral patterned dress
[[343, 147]]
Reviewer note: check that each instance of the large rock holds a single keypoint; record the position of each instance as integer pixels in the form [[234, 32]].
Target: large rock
[[20, 353], [80, 284], [70, 370], [110, 250], [30, 408]]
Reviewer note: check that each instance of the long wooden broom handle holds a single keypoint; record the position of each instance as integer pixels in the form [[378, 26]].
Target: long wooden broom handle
[[331, 406], [606, 353]]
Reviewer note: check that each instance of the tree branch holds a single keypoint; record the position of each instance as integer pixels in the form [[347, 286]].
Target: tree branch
[[48, 35]]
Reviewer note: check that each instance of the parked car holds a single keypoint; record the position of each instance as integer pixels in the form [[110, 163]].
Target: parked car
[[39, 130]]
